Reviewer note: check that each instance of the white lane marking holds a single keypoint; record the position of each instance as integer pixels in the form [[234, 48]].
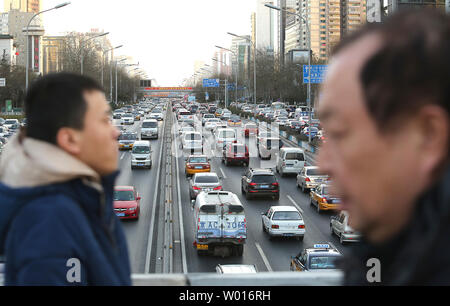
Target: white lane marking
[[223, 173], [263, 256], [122, 156], [180, 213], [152, 221], [295, 204]]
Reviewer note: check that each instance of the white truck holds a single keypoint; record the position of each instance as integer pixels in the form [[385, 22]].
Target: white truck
[[220, 224]]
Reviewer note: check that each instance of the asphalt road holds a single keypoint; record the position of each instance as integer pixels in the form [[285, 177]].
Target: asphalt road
[[267, 255]]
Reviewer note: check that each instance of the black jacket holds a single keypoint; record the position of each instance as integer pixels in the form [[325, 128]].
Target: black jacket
[[419, 255]]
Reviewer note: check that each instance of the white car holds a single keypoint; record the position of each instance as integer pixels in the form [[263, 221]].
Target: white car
[[186, 129], [192, 141], [127, 119], [224, 136], [211, 124], [283, 221]]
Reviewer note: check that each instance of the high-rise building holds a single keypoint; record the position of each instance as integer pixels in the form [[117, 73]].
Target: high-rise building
[[14, 23], [241, 48], [265, 26], [25, 6], [52, 47], [353, 15]]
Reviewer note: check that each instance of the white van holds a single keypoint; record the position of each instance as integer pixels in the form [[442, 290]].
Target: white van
[[141, 155], [225, 136], [220, 224], [149, 129], [290, 161]]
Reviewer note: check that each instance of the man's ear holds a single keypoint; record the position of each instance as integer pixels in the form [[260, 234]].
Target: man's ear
[[69, 140], [434, 125]]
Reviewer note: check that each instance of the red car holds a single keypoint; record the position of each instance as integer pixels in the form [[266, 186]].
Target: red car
[[236, 153], [126, 202], [251, 129]]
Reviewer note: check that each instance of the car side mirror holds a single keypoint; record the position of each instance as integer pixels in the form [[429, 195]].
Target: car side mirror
[[138, 198]]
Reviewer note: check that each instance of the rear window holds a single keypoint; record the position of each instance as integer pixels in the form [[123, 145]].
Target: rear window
[[235, 209], [127, 137], [147, 125], [250, 126], [286, 215], [322, 262], [209, 209], [238, 149], [227, 134], [206, 179], [184, 113], [123, 195], [192, 137], [312, 172], [295, 156], [198, 160], [261, 179]]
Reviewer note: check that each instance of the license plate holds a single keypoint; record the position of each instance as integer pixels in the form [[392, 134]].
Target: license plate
[[288, 235], [202, 247], [198, 167], [318, 180], [140, 164], [264, 186], [120, 214], [207, 189]]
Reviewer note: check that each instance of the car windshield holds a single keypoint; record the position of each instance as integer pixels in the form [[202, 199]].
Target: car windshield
[[149, 125], [198, 160], [127, 137], [295, 156], [227, 134], [239, 149], [141, 150], [123, 195], [209, 179], [192, 136], [314, 172], [322, 262], [286, 215], [10, 122], [263, 179]]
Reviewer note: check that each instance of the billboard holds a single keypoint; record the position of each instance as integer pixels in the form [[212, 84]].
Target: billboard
[[298, 56]]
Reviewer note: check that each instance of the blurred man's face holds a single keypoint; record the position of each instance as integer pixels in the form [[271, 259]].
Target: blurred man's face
[[98, 139], [373, 172]]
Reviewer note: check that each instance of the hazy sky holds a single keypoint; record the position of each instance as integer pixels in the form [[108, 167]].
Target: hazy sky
[[165, 36]]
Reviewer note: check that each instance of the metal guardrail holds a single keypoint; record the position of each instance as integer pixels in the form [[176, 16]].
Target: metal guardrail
[[273, 279], [321, 278]]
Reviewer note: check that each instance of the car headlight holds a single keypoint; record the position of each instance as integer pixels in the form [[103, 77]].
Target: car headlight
[[132, 209]]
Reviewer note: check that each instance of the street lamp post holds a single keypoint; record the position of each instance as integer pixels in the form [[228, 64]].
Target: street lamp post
[[28, 40], [309, 60], [117, 62], [103, 59], [81, 49], [237, 66]]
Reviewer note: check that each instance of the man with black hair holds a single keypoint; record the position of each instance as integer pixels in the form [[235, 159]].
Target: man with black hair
[[385, 109], [57, 225]]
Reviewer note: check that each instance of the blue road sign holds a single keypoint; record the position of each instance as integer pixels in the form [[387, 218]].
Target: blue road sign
[[211, 83], [317, 74]]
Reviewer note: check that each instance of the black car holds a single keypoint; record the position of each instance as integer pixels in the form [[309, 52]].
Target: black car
[[260, 183]]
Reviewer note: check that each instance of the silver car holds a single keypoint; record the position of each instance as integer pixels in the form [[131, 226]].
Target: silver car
[[204, 182], [339, 226], [310, 177]]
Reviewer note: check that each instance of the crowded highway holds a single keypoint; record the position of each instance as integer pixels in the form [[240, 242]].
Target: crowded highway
[[200, 157]]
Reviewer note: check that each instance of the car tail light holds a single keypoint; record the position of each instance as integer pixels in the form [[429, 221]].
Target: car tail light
[[275, 226], [301, 226], [196, 188], [252, 184], [324, 200], [218, 188], [283, 164], [276, 184], [307, 179]]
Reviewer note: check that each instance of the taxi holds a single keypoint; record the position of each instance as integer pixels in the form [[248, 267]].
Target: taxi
[[126, 141], [234, 121], [321, 198], [218, 113], [197, 164], [321, 257]]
